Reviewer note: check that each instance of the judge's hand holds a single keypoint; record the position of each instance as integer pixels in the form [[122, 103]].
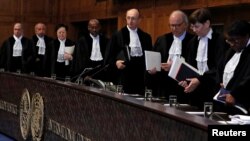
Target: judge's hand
[[193, 84], [230, 99], [166, 66], [68, 56], [120, 64], [152, 71]]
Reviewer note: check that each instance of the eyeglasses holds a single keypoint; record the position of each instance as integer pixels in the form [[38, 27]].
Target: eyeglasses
[[176, 25], [233, 41]]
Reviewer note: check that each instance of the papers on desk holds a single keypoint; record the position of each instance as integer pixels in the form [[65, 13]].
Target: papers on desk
[[240, 119], [167, 104], [195, 113], [153, 60]]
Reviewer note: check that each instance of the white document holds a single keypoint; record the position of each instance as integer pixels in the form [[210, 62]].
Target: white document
[[153, 60], [69, 49]]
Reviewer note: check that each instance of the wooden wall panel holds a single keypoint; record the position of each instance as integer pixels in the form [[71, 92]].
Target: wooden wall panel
[[155, 13], [192, 4], [9, 7], [6, 31], [36, 7], [212, 3]]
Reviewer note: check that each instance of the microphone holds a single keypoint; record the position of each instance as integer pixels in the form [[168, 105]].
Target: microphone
[[218, 116], [95, 82], [86, 70], [97, 72]]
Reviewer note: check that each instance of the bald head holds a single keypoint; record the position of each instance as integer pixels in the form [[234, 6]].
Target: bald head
[[40, 29], [133, 18], [94, 27], [178, 22], [18, 30]]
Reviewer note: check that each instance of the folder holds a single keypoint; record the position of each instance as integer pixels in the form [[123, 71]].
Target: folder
[[181, 70], [153, 60], [220, 98]]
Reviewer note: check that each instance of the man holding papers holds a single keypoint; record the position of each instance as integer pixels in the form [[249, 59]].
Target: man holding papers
[[205, 53], [236, 70], [61, 61], [170, 45]]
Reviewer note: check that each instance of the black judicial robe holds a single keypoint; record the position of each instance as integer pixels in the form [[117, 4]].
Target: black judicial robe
[[60, 69], [133, 76], [12, 64], [162, 83], [83, 52], [240, 82], [42, 63], [209, 81]]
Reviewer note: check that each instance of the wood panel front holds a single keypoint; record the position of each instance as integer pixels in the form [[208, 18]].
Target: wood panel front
[[72, 111]]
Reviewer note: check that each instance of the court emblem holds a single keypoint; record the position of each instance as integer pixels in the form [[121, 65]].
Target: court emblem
[[25, 114], [37, 117]]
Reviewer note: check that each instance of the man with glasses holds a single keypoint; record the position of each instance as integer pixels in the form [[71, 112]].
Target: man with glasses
[[236, 69], [125, 54], [170, 45], [206, 51]]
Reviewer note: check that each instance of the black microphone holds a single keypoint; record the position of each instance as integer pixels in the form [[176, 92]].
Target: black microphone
[[97, 72], [86, 70], [95, 82]]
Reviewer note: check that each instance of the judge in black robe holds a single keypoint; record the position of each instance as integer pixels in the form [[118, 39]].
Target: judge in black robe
[[132, 73], [61, 68], [42, 61], [162, 84], [238, 37], [13, 63], [201, 89], [165, 85], [84, 48]]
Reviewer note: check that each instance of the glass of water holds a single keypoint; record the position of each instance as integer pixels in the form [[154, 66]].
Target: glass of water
[[148, 95], [119, 89], [173, 101], [53, 76], [67, 79], [208, 109]]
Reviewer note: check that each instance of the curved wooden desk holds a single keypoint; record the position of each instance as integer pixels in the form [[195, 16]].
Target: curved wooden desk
[[77, 112]]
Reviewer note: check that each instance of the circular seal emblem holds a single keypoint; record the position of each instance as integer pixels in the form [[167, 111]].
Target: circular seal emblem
[[37, 117], [25, 114]]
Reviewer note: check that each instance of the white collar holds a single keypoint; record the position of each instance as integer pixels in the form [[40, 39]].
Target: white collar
[[209, 34]]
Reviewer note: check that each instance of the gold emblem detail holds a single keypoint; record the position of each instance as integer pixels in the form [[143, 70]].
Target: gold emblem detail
[[37, 117], [25, 114]]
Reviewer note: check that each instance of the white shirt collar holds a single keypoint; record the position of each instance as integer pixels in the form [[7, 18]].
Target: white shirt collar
[[209, 34]]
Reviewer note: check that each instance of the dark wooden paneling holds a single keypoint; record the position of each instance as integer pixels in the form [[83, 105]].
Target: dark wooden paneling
[[97, 114], [155, 12], [9, 7]]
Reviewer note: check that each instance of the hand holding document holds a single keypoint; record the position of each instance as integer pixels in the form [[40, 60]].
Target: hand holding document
[[69, 50], [180, 70], [221, 97], [153, 60]]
